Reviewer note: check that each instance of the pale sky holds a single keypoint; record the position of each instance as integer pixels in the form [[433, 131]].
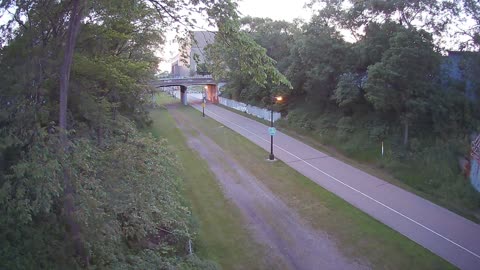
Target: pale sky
[[287, 10]]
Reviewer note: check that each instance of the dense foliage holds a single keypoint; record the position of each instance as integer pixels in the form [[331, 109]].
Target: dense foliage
[[236, 57], [393, 82], [96, 191]]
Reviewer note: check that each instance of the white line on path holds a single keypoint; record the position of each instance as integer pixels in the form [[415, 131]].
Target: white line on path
[[356, 190]]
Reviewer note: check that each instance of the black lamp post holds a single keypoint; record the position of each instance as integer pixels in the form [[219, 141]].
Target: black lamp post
[[274, 100], [271, 157], [204, 101]]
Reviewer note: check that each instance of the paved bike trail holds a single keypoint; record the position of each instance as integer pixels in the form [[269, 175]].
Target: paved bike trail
[[441, 231]]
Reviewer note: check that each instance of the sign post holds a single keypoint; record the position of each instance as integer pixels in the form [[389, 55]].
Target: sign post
[[382, 148], [271, 131]]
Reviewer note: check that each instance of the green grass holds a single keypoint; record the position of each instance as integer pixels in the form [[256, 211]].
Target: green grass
[[357, 234], [222, 233], [431, 172], [435, 181], [331, 147], [163, 99]]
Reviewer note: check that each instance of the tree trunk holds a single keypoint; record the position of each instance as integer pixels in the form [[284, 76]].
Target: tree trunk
[[73, 229], [99, 136], [72, 32], [405, 133]]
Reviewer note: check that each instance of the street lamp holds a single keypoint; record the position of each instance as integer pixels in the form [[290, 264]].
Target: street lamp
[[272, 130]]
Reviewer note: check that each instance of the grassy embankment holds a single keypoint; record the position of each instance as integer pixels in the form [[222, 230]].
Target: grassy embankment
[[357, 234], [429, 168], [222, 233]]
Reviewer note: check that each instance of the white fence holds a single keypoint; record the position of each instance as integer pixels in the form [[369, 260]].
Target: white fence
[[252, 110], [239, 106]]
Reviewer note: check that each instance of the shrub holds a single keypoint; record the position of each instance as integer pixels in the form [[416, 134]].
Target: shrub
[[345, 127], [297, 119]]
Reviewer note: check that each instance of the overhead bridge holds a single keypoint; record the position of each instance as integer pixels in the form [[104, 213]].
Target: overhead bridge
[[211, 86]]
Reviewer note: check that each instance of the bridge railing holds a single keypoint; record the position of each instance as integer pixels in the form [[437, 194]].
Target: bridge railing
[[183, 81], [206, 77]]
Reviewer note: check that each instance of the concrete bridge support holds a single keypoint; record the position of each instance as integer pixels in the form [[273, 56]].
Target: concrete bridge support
[[183, 95], [212, 93]]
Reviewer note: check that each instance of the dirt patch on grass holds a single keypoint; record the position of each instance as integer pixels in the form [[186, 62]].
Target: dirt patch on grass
[[290, 241]]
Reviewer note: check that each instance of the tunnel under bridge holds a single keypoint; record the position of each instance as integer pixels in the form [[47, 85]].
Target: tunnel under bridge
[[210, 86]]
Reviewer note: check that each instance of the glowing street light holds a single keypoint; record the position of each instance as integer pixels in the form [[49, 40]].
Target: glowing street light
[[272, 130]]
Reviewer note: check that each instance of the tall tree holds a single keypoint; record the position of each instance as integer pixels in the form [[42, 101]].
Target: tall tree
[[274, 38], [320, 54], [471, 28], [75, 16], [235, 54], [402, 82], [447, 20], [102, 78]]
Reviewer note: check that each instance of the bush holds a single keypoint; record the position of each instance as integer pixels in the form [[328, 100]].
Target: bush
[[297, 119], [378, 132], [128, 206], [345, 127]]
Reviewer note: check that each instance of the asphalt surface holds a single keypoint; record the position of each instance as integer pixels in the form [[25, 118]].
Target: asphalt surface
[[441, 231]]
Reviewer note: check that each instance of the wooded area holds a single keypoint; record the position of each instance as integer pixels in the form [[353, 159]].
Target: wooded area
[[395, 81], [81, 185]]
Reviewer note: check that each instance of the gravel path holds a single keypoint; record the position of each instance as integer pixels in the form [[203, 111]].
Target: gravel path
[[289, 240]]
